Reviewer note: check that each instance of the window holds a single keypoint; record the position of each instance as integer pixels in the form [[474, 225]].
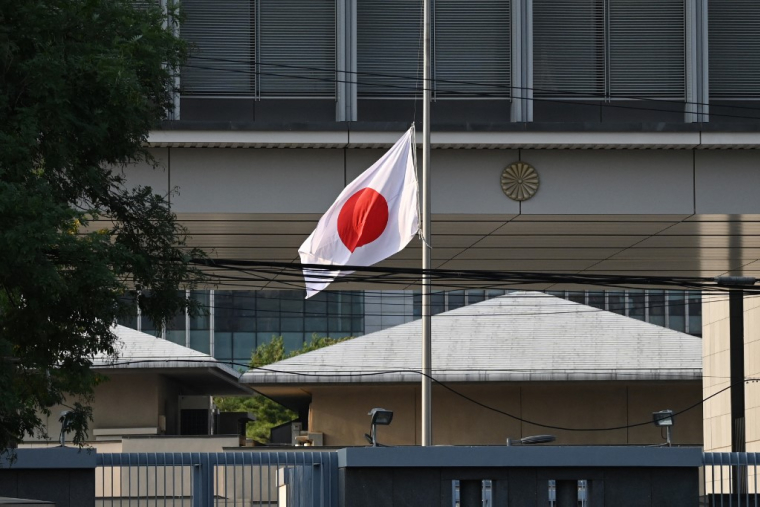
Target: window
[[200, 324], [389, 48], [636, 305], [676, 310], [609, 48], [456, 299], [296, 48], [470, 47], [695, 313], [222, 33], [260, 48], [657, 307], [616, 302], [596, 299], [734, 38]]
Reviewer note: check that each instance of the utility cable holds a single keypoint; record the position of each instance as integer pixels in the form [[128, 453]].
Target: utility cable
[[444, 386]]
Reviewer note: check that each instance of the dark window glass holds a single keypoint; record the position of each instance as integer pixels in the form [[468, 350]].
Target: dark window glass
[[437, 303], [316, 305], [292, 341], [577, 297], [201, 320], [636, 305], [657, 307], [316, 325], [695, 313], [223, 345], [596, 299], [234, 311], [676, 310], [333, 303], [357, 325], [291, 323], [494, 293], [475, 296], [616, 302], [176, 326], [243, 345], [456, 299], [417, 305], [267, 304]]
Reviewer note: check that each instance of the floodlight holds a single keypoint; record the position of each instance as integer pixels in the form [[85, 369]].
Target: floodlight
[[663, 418], [381, 417]]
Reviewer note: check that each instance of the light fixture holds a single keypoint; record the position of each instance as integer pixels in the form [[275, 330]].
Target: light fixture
[[379, 416], [664, 418]]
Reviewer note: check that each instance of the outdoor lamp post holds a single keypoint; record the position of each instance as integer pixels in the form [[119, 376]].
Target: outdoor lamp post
[[378, 416]]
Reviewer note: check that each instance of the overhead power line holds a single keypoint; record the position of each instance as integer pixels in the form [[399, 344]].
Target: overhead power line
[[417, 79], [292, 273], [444, 386], [483, 94]]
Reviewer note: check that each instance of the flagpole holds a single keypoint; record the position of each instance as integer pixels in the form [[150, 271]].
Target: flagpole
[[427, 419]]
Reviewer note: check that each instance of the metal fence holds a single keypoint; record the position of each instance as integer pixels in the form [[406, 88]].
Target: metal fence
[[730, 479], [234, 479]]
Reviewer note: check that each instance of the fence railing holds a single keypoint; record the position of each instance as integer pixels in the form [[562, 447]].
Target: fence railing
[[234, 479], [730, 479], [310, 479]]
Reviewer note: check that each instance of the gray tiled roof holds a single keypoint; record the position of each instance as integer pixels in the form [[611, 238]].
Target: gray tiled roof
[[141, 350], [520, 336]]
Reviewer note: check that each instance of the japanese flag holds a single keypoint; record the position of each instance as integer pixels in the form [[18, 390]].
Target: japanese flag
[[374, 217]]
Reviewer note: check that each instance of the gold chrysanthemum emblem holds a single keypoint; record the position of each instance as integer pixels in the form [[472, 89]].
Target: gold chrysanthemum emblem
[[519, 181]]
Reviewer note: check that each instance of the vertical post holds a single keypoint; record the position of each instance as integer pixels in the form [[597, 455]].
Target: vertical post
[[697, 78], [736, 320], [736, 333], [427, 421]]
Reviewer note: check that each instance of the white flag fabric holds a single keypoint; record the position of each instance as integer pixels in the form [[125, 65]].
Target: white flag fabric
[[374, 217]]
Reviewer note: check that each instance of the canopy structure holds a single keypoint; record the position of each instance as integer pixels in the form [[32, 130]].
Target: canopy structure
[[140, 352], [519, 337]]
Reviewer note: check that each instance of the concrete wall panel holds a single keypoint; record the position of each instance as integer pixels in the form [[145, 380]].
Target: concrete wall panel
[[256, 180], [611, 182], [727, 181], [340, 412]]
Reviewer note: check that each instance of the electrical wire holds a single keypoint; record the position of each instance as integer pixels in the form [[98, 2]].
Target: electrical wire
[[450, 389], [467, 94], [433, 81]]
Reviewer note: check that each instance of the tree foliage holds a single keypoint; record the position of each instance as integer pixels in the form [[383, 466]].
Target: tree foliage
[[268, 412], [82, 82]]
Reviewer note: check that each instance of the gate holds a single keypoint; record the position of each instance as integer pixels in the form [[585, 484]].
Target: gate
[[234, 479], [730, 479]]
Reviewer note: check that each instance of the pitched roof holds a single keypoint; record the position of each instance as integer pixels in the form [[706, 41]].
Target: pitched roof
[[523, 336], [141, 351]]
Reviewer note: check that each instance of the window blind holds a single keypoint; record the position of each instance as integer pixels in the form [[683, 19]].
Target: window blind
[[568, 48], [472, 46], [222, 35], [734, 39], [647, 48], [389, 48], [297, 48]]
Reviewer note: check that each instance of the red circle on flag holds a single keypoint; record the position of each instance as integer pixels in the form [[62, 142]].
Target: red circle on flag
[[362, 218]]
